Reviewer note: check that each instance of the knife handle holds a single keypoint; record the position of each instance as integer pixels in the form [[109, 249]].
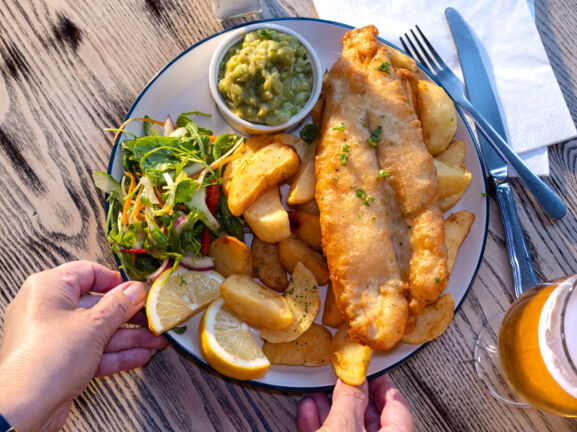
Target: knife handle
[[551, 204], [523, 273]]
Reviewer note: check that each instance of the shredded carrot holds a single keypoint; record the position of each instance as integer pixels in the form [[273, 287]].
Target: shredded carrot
[[159, 196], [121, 128], [138, 206], [128, 199], [226, 160], [212, 138]]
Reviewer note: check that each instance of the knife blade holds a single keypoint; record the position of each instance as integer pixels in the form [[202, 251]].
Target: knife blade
[[482, 95]]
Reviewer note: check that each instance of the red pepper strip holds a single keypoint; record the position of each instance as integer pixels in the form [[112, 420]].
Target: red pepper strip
[[212, 196], [205, 241], [134, 251]]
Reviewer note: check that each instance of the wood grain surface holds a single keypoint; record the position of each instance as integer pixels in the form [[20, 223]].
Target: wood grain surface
[[69, 69]]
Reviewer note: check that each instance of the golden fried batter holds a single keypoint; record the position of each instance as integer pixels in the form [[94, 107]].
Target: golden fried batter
[[377, 194]]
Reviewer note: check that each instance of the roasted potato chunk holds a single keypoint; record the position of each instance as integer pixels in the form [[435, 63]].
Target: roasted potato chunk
[[309, 207], [454, 154], [267, 265], [302, 148], [251, 145], [231, 256], [267, 167], [303, 298], [303, 185], [307, 227], [255, 304], [452, 179], [293, 250], [432, 321], [457, 227], [349, 358], [312, 348], [438, 116], [267, 218], [332, 317]]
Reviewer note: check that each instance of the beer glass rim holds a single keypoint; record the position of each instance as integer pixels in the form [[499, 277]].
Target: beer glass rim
[[572, 292]]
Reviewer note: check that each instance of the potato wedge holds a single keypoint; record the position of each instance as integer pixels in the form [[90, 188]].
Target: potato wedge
[[452, 179], [457, 227], [255, 304], [332, 316], [231, 256], [251, 145], [304, 301], [317, 112], [447, 202], [438, 116], [302, 148], [293, 250], [312, 348], [267, 266], [267, 218], [432, 321], [267, 167], [454, 154], [310, 207], [303, 185], [349, 358], [307, 227]]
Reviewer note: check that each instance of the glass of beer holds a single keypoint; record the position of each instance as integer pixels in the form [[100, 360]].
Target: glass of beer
[[528, 355]]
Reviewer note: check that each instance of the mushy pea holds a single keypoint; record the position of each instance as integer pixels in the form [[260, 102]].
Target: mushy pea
[[266, 78]]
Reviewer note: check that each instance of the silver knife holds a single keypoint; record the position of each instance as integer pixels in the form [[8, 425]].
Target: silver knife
[[482, 95]]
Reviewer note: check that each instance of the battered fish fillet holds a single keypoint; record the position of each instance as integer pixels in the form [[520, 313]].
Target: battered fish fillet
[[382, 228]]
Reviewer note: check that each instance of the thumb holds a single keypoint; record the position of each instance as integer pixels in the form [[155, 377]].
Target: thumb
[[348, 409], [116, 307]]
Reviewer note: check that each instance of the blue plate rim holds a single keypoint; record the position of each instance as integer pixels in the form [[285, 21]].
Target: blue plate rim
[[201, 361]]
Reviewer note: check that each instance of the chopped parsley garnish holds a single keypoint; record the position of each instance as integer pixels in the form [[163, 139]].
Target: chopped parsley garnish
[[309, 132], [383, 174], [483, 194], [437, 280], [179, 330], [342, 127], [361, 193], [385, 67], [344, 154], [373, 140]]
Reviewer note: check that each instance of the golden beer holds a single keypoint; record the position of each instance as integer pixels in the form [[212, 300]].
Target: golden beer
[[537, 347]]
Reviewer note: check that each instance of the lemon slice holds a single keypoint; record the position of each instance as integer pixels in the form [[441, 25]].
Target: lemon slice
[[174, 298], [228, 346]]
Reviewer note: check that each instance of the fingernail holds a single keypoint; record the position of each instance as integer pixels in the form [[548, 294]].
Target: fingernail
[[136, 292]]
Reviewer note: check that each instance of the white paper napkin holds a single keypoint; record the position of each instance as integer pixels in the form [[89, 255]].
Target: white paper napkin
[[533, 107]]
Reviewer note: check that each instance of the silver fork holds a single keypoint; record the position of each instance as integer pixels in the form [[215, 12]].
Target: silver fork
[[551, 204]]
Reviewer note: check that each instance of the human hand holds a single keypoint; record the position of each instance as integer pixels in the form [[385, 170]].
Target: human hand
[[353, 410], [57, 338]]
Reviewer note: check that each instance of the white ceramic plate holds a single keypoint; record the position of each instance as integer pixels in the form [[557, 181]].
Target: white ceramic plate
[[182, 86]]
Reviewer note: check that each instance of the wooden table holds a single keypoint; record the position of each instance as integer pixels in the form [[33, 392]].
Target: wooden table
[[71, 69]]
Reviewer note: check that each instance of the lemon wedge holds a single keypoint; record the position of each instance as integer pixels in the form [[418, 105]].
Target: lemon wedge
[[175, 297], [228, 346]]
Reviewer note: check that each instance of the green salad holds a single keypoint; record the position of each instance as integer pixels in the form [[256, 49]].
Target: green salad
[[168, 205]]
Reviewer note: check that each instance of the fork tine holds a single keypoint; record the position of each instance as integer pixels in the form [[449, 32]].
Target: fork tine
[[405, 47], [432, 64], [431, 49], [413, 50]]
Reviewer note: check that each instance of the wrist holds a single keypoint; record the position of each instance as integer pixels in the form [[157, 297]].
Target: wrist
[[22, 405]]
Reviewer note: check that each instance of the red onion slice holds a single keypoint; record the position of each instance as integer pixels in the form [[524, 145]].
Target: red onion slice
[[153, 276], [180, 224], [197, 263]]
